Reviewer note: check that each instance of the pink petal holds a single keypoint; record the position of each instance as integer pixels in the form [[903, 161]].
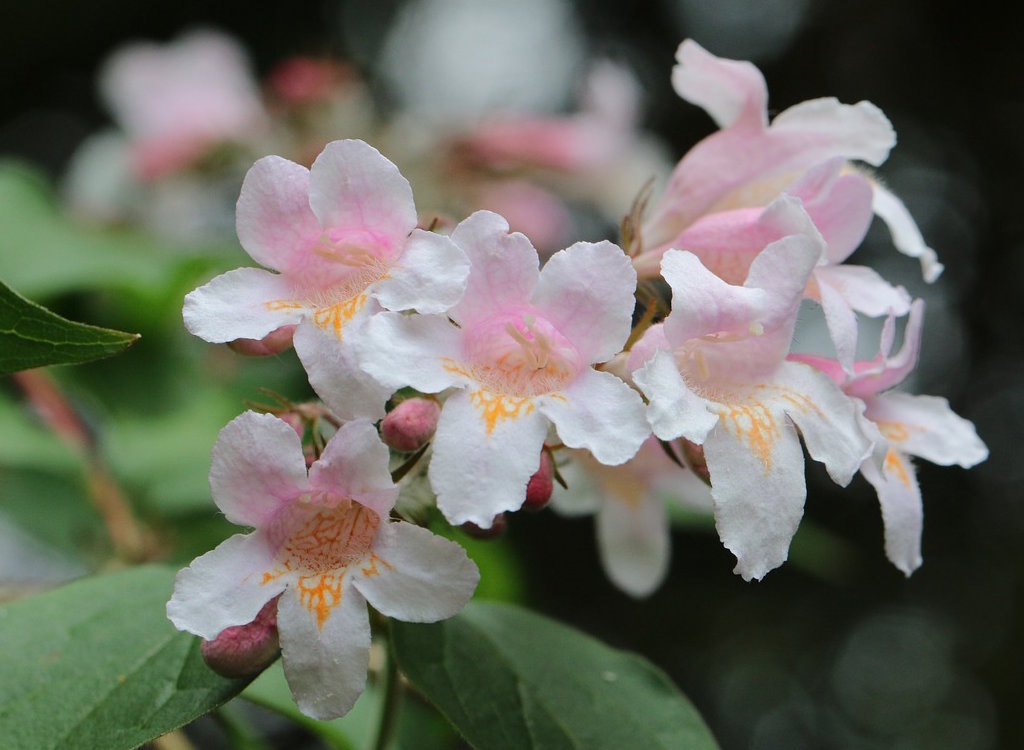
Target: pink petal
[[354, 464], [731, 91], [838, 204], [430, 276]]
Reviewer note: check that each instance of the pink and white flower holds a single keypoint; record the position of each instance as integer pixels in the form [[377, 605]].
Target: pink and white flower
[[322, 541], [520, 346], [907, 425], [750, 161], [341, 242], [716, 374]]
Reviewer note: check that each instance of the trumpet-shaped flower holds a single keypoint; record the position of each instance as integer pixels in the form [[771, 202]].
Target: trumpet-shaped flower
[[341, 242], [520, 346], [323, 542], [907, 425], [716, 374], [749, 161]]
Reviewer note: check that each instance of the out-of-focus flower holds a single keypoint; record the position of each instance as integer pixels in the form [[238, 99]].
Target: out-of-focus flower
[[323, 542], [748, 162], [907, 425], [521, 351], [341, 241], [629, 503], [716, 374]]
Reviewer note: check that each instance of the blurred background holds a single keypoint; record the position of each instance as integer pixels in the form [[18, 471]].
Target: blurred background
[[834, 650]]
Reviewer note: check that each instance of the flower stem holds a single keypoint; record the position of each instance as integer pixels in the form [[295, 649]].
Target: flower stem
[[391, 700]]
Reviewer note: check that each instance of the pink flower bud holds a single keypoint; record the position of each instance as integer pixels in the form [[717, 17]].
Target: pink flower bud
[[693, 456], [497, 528], [538, 490], [274, 342], [411, 424], [244, 650]]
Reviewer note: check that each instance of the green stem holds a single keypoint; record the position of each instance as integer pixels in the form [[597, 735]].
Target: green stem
[[392, 698]]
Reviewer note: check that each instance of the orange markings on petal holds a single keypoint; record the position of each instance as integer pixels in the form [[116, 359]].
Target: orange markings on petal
[[897, 432], [755, 425], [497, 407], [372, 569], [283, 304], [334, 317], [894, 466], [320, 594]]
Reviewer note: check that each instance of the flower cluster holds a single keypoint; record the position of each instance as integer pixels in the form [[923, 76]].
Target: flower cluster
[[516, 362]]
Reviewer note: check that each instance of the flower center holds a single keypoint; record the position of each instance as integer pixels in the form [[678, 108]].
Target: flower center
[[318, 539]]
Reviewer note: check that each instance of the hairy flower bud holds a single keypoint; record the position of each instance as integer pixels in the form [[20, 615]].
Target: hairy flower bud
[[274, 342], [244, 650], [411, 424], [538, 490]]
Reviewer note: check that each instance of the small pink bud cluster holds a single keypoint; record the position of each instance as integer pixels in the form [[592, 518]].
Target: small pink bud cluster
[[411, 424], [245, 650]]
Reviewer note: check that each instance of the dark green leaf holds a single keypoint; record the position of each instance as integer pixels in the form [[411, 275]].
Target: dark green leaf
[[96, 664], [512, 680], [32, 336]]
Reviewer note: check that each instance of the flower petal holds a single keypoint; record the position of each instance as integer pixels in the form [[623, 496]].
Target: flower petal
[[925, 426], [485, 449], [429, 277], [827, 127], [256, 467], [899, 496], [757, 482], [633, 541], [325, 666], [728, 90], [838, 204], [335, 375], [600, 413], [410, 350], [354, 463], [274, 222], [840, 319], [674, 410], [504, 267], [905, 234], [415, 575], [224, 587], [247, 303], [586, 291], [353, 188]]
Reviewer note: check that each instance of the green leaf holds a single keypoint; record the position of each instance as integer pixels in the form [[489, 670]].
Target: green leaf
[[509, 679], [96, 664], [32, 336]]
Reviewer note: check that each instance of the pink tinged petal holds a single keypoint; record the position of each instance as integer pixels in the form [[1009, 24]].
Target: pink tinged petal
[[429, 277], [885, 371], [856, 131], [899, 496], [224, 587], [335, 374], [652, 340], [421, 351], [274, 222], [600, 413], [247, 303], [925, 426], [905, 234], [674, 410], [728, 90], [353, 188], [865, 291], [415, 575], [838, 204], [633, 541], [354, 465], [325, 664], [504, 267], [485, 451], [840, 319], [256, 468], [757, 482], [827, 418], [586, 292]]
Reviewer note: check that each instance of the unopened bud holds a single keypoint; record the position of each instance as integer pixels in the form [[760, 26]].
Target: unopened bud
[[411, 424], [496, 529], [693, 455], [538, 489], [274, 342], [244, 650]]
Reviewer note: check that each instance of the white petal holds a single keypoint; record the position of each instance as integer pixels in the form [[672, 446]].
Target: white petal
[[674, 410], [483, 459], [905, 234], [856, 131], [354, 188], [355, 464], [335, 375], [586, 291], [600, 413], [633, 540], [411, 350], [899, 496], [429, 277], [925, 426], [415, 575], [224, 587], [325, 666], [865, 291], [241, 304], [757, 482], [256, 467], [840, 319]]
